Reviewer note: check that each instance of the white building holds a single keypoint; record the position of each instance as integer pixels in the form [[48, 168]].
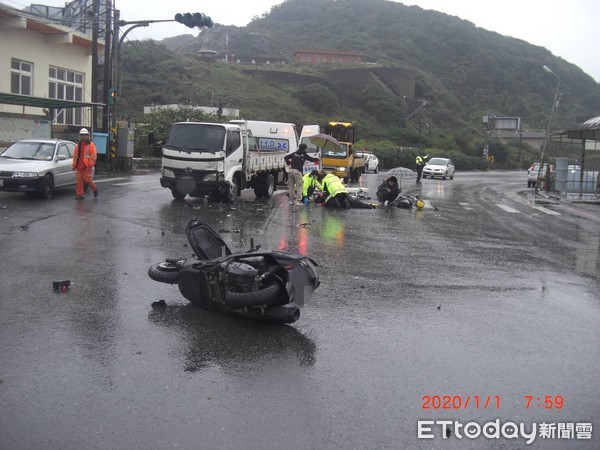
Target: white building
[[45, 77]]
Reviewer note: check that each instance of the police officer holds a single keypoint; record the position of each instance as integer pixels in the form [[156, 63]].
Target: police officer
[[420, 161]]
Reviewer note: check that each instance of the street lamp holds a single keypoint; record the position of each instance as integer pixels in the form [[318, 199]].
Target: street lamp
[[554, 105]]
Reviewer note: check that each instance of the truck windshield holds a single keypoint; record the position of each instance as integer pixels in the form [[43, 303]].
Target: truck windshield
[[199, 137], [342, 152]]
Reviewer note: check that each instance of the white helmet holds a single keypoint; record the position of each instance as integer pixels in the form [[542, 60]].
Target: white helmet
[[84, 131]]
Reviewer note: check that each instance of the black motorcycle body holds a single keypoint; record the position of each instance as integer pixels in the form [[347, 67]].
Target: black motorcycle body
[[269, 286]]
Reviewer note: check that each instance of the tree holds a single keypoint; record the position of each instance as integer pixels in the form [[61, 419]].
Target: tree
[[158, 123]]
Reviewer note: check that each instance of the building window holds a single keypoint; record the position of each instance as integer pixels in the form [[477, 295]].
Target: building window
[[21, 73], [66, 85]]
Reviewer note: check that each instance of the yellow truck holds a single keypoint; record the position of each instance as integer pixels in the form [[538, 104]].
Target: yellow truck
[[344, 162]]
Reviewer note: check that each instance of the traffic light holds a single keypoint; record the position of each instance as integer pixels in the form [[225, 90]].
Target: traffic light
[[112, 96], [194, 20]]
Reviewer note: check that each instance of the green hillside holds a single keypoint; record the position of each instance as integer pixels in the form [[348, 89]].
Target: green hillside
[[462, 71]]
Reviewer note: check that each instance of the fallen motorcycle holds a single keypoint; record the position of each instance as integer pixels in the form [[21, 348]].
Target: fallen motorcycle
[[270, 286]]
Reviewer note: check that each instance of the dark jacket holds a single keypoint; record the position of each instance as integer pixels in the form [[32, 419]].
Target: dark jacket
[[383, 194], [296, 159]]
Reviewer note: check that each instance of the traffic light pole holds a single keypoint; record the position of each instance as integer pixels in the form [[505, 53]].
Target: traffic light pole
[[111, 92]]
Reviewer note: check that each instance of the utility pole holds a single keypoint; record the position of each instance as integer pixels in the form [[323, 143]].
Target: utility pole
[[107, 65], [110, 98], [96, 11]]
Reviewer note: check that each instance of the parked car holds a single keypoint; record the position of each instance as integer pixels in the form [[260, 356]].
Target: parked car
[[439, 167], [371, 162], [532, 173], [37, 166]]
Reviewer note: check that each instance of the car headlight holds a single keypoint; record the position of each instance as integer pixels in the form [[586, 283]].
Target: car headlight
[[25, 175], [210, 177], [168, 173], [341, 169]]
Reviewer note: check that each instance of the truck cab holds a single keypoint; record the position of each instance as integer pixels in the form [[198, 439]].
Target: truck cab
[[345, 163]]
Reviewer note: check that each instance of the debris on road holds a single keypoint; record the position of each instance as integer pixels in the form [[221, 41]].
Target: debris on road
[[159, 304], [62, 285]]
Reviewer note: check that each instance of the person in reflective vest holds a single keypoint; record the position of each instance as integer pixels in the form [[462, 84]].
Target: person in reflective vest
[[420, 161], [84, 160], [309, 184], [335, 194]]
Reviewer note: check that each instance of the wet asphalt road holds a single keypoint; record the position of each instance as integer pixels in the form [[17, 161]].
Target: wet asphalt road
[[479, 294]]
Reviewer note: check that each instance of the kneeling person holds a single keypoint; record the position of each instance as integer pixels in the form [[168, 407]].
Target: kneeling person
[[336, 195]]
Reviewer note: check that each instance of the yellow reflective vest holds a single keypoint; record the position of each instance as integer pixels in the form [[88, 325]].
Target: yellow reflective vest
[[333, 185], [420, 160], [308, 181]]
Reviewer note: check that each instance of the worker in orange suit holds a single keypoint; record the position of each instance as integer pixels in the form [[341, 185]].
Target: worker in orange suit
[[84, 160]]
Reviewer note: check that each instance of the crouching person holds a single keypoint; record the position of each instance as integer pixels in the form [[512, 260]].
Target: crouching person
[[388, 191], [309, 184]]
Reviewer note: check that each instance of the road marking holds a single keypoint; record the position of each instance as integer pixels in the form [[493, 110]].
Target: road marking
[[131, 183], [108, 180], [467, 206], [507, 208], [546, 210]]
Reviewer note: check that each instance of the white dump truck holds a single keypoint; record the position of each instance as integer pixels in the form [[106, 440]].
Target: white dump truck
[[218, 160]]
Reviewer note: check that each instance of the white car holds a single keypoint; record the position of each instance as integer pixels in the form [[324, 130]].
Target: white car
[[371, 162], [37, 166], [534, 170], [439, 167]]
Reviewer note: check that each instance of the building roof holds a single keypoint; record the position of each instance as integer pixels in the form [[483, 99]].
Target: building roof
[[590, 129], [16, 19]]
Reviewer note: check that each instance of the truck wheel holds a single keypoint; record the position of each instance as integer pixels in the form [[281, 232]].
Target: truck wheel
[[269, 186], [258, 191], [177, 195], [232, 190]]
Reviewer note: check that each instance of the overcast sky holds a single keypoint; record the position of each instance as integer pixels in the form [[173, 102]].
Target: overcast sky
[[568, 28]]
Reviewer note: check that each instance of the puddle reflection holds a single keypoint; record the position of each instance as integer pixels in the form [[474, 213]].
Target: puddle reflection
[[333, 231]]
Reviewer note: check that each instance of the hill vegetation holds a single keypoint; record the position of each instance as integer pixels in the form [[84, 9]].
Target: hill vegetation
[[463, 73]]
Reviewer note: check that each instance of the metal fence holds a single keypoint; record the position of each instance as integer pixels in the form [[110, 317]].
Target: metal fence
[[584, 182]]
